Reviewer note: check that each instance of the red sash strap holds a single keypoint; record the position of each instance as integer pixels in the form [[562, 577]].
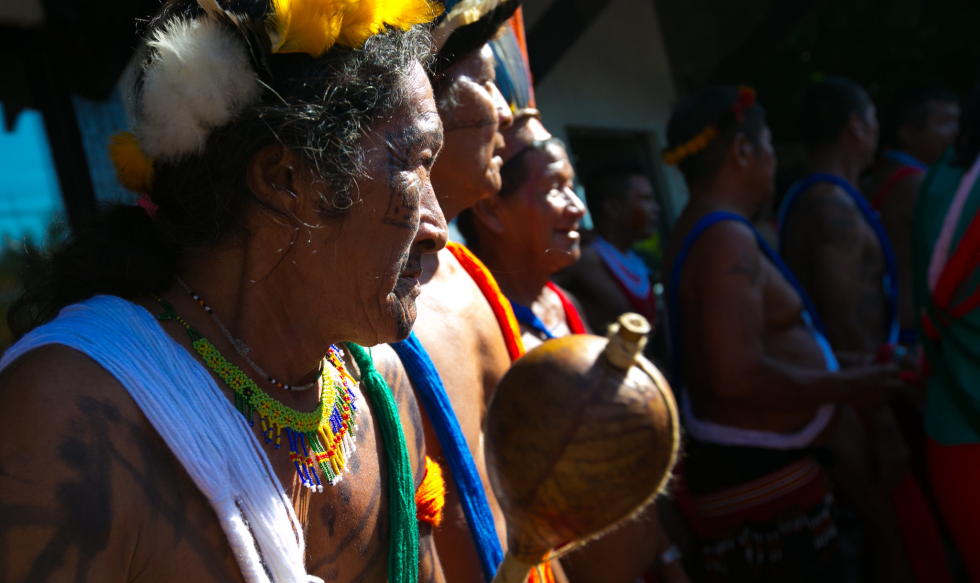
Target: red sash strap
[[646, 307], [895, 177], [498, 303], [920, 532], [572, 317], [962, 263]]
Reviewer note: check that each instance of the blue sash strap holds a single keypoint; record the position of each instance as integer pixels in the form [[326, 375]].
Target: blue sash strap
[[890, 281], [810, 316], [428, 385], [905, 159], [524, 315]]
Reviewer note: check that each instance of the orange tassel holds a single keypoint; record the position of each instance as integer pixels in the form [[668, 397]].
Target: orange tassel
[[542, 574], [430, 498]]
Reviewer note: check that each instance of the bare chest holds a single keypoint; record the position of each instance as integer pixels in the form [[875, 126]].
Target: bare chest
[[345, 526]]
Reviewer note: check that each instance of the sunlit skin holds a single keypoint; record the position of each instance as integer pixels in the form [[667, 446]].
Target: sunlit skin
[[622, 223], [926, 142], [98, 495], [528, 235]]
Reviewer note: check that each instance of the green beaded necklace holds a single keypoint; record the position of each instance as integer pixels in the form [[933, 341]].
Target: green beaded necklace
[[323, 438]]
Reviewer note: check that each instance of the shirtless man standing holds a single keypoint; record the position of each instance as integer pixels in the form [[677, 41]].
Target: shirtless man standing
[[923, 124], [758, 381], [835, 243], [125, 443], [611, 279]]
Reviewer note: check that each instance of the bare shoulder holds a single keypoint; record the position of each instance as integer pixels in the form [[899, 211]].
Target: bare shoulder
[[389, 364], [829, 212], [727, 248], [54, 383], [83, 473]]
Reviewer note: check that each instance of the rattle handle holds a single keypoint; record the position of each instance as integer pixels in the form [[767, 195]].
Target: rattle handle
[[512, 571]]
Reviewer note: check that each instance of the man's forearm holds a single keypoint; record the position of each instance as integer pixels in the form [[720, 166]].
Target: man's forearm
[[771, 384]]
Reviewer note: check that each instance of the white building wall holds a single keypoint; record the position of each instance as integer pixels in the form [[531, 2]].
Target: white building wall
[[616, 76]]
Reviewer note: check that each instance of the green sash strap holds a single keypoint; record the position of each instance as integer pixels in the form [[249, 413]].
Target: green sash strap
[[403, 551]]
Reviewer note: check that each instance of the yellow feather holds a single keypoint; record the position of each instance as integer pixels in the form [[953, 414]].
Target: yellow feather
[[314, 26], [133, 169], [371, 16]]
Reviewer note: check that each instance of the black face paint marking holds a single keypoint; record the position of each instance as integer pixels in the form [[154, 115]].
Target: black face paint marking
[[404, 197], [471, 124]]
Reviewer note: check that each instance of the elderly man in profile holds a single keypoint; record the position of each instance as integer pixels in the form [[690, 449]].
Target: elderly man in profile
[[181, 407]]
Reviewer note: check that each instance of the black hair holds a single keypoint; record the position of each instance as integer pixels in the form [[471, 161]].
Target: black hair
[[913, 107], [827, 106], [471, 37], [319, 107], [967, 146], [513, 174], [609, 182], [712, 107]]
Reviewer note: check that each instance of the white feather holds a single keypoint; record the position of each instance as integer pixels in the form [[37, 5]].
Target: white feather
[[199, 78]]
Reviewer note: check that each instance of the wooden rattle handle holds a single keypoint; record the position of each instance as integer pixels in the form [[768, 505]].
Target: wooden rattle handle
[[512, 570]]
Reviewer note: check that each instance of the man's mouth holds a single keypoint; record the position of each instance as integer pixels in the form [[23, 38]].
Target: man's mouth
[[571, 233], [408, 279]]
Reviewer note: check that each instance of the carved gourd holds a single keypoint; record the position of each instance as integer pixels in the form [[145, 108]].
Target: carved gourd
[[580, 435]]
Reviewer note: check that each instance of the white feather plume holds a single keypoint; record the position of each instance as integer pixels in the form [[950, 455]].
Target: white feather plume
[[199, 78]]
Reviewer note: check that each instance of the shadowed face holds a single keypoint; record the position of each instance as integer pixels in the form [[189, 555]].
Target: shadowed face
[[937, 132], [764, 166], [473, 113], [642, 210], [869, 136]]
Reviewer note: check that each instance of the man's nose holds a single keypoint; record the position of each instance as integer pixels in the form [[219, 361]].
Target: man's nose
[[433, 232], [505, 116], [576, 205]]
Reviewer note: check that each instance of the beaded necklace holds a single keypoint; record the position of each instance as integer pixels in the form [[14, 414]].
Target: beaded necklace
[[240, 345], [323, 438]]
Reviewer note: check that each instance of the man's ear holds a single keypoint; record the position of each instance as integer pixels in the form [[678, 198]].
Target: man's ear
[[274, 176], [858, 125], [742, 150], [488, 212]]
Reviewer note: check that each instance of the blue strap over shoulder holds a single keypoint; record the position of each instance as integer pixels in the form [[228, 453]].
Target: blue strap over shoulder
[[905, 159], [870, 215], [428, 385], [673, 298], [524, 315]]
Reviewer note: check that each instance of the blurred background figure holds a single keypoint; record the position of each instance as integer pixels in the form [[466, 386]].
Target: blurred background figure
[[945, 243], [836, 245], [917, 129], [611, 278]]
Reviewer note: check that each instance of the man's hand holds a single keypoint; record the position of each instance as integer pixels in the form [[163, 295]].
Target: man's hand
[[869, 386]]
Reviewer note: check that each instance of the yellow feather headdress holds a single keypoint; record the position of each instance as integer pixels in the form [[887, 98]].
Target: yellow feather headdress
[[314, 26]]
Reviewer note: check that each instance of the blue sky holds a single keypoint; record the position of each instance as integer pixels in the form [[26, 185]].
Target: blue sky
[[29, 192]]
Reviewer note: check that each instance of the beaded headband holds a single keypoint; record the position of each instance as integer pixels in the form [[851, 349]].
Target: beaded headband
[[202, 71], [745, 100]]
